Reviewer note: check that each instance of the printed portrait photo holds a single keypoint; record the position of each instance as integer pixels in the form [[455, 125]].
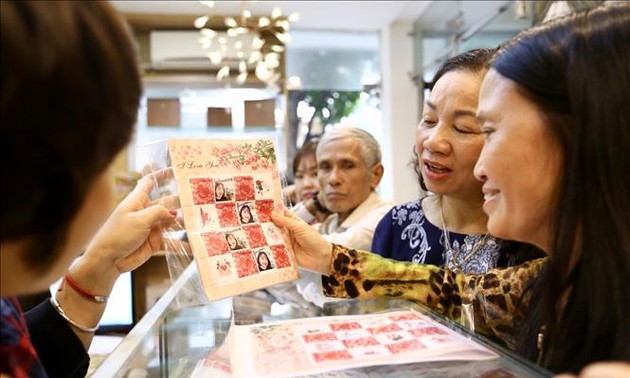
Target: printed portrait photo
[[235, 239], [263, 260], [223, 190], [246, 213]]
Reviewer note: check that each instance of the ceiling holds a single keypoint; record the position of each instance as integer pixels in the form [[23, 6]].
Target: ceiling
[[321, 15], [345, 15]]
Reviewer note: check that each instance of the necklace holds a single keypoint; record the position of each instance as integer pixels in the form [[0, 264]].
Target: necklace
[[452, 261]]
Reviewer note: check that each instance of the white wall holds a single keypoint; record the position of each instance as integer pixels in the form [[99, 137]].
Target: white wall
[[400, 106]]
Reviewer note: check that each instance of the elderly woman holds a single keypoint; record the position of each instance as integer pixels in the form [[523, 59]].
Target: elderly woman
[[448, 228], [554, 165]]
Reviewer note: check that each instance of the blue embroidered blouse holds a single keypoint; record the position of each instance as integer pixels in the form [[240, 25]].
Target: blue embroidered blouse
[[405, 234]]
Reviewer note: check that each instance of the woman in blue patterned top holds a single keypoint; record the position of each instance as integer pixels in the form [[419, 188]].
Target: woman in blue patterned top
[[448, 227]]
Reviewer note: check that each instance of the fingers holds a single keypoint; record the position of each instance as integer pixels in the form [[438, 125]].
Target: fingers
[[288, 220], [156, 214], [289, 214], [170, 202]]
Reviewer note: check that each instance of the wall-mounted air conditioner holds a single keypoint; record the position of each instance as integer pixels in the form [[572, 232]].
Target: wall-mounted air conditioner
[[172, 50]]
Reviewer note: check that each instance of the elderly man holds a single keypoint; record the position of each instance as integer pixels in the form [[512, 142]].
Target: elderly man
[[348, 169]]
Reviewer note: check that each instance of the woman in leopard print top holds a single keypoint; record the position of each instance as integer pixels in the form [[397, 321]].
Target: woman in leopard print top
[[495, 296], [554, 111]]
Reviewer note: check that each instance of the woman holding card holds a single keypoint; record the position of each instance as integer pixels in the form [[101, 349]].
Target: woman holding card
[[70, 96]]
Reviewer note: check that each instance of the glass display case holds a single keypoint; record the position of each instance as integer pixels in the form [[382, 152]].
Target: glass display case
[[179, 332]]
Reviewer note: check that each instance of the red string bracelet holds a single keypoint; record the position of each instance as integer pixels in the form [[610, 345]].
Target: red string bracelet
[[73, 284]]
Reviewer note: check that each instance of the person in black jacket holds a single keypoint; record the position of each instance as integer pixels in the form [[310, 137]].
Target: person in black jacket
[[70, 95]]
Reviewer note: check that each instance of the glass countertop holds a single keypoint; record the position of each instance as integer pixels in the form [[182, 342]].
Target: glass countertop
[[181, 330]]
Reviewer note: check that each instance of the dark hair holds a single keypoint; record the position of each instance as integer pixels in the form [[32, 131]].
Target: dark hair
[[217, 185], [308, 149], [237, 244], [258, 260], [240, 213], [70, 95], [577, 71], [474, 61]]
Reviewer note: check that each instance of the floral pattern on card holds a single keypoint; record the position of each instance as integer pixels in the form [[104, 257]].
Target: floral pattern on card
[[405, 346], [244, 188], [360, 342], [263, 185], [281, 256], [345, 326], [405, 317], [245, 263], [264, 208], [226, 212], [334, 355], [384, 329], [206, 217], [259, 155], [312, 346], [226, 186], [215, 243], [272, 233], [319, 337], [224, 267], [202, 190], [425, 331], [255, 236]]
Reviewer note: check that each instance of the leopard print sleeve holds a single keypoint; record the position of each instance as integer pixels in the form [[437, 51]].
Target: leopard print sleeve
[[495, 295]]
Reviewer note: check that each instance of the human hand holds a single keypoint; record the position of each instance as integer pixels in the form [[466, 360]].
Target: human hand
[[312, 251], [132, 233], [602, 369]]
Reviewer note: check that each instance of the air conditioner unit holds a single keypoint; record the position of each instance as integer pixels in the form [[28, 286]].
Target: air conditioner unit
[[172, 50]]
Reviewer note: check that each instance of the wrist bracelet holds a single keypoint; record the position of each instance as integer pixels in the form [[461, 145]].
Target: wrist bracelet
[[61, 312], [73, 284]]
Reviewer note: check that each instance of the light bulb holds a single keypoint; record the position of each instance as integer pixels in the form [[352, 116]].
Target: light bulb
[[277, 48], [263, 21], [262, 72], [230, 22], [257, 43], [241, 77], [208, 33], [200, 22], [205, 43], [223, 72], [215, 57]]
